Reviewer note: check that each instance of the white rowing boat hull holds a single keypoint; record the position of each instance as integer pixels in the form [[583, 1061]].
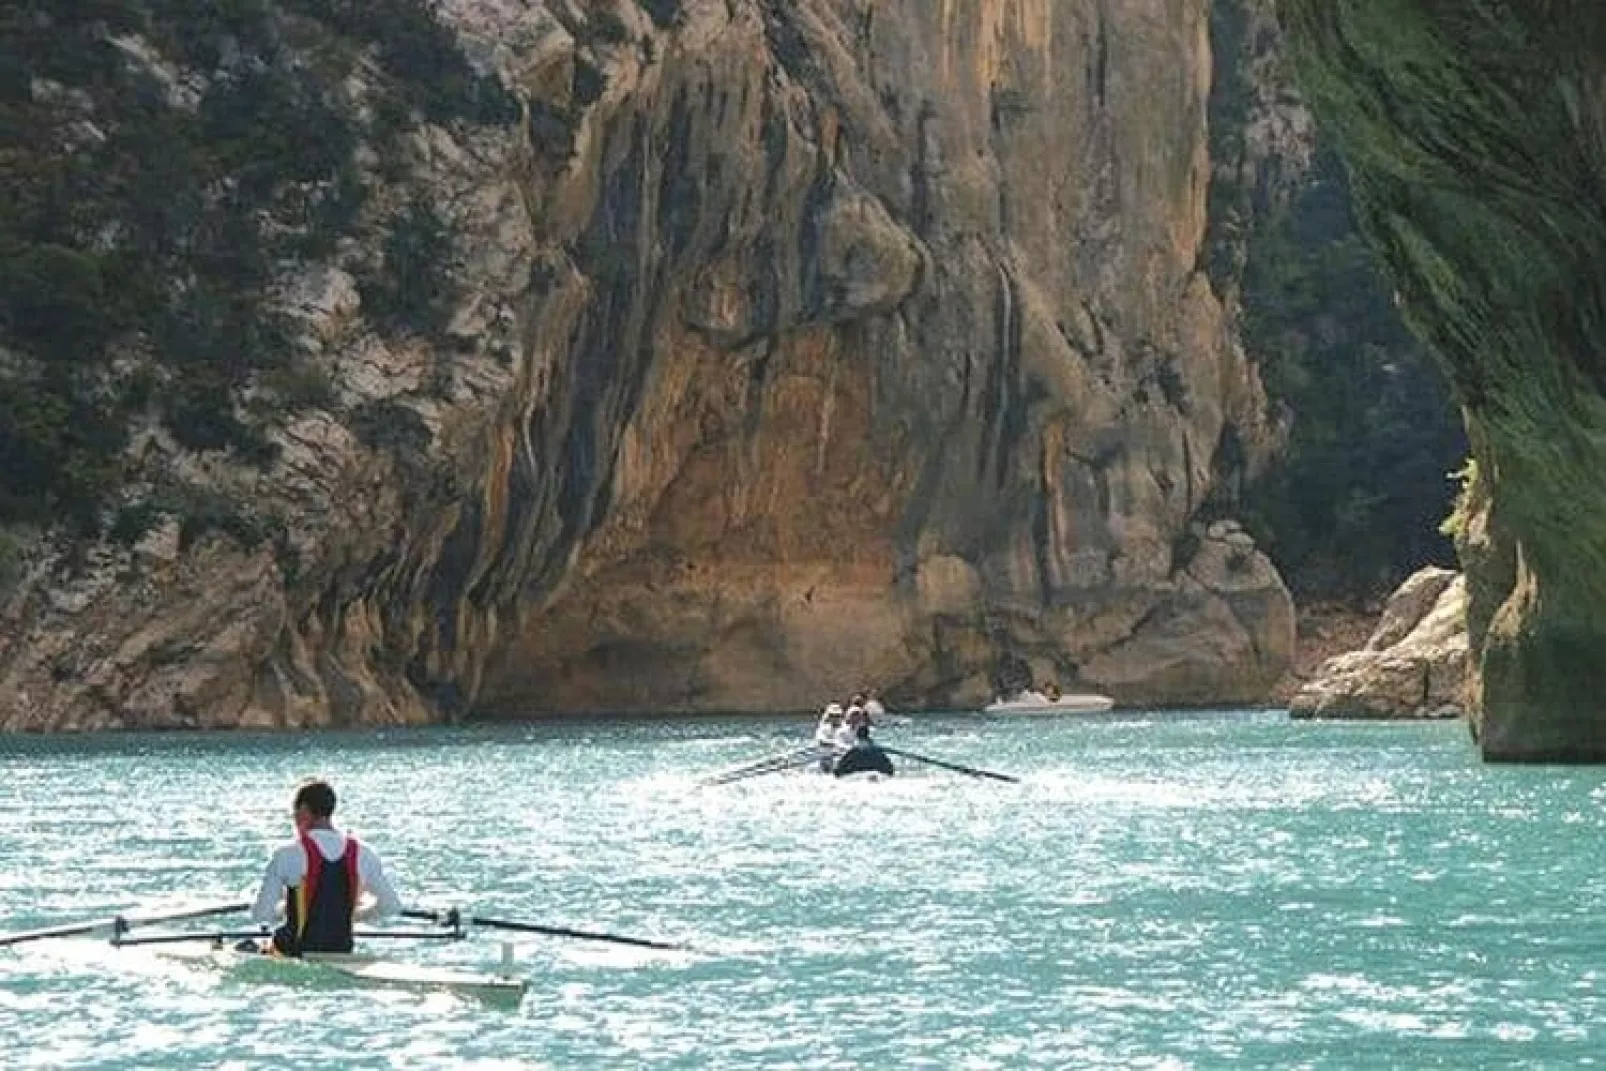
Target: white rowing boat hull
[[1065, 704], [360, 967]]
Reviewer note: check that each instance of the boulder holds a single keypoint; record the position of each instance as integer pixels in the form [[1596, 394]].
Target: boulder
[[1413, 666]]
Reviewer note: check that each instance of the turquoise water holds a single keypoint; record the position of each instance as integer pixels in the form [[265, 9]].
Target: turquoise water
[[1167, 890]]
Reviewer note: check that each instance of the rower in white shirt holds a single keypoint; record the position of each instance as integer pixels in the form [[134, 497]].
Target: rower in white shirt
[[825, 733], [855, 731], [322, 882]]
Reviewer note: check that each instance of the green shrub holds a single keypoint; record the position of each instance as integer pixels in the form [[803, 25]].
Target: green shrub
[[588, 82], [62, 449], [133, 522], [1466, 480], [302, 385], [13, 560], [53, 301], [163, 236], [203, 510], [421, 54], [664, 13], [409, 290], [608, 26], [389, 425]]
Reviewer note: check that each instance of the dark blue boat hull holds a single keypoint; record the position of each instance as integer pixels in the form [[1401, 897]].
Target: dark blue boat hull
[[866, 758]]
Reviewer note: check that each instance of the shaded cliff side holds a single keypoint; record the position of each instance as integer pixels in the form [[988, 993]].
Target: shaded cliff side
[[1476, 141], [1351, 503], [788, 348]]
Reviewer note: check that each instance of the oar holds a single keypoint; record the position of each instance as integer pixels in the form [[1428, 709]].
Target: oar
[[802, 758], [548, 931], [753, 769], [954, 766], [774, 764], [756, 764], [118, 923], [246, 935]]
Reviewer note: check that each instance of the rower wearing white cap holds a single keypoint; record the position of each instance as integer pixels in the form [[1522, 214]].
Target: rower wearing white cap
[[825, 733], [855, 731]]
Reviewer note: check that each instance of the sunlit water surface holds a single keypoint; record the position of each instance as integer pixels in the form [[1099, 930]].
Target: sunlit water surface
[[1165, 890]]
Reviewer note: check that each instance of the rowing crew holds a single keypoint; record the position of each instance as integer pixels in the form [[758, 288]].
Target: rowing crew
[[841, 729]]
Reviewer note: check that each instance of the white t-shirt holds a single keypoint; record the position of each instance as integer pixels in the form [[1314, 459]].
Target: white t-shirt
[[288, 868]]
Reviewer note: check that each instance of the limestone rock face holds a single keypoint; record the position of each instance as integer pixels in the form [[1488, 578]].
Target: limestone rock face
[[1413, 666], [937, 400], [1475, 145], [802, 347]]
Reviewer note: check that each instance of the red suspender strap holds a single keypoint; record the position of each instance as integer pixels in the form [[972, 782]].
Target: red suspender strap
[[351, 870], [314, 861], [309, 883]]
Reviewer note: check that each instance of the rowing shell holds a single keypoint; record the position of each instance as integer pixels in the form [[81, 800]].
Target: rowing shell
[[360, 967]]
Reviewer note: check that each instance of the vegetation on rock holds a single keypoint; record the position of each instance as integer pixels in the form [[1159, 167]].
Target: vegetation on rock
[[166, 162], [1472, 134]]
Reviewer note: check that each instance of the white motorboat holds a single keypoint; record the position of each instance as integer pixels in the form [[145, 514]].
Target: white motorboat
[[1035, 702]]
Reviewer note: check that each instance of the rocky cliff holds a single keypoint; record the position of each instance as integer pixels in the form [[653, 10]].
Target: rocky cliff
[[795, 348], [1476, 141]]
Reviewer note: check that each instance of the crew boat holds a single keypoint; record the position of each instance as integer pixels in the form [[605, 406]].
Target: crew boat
[[242, 950], [866, 758], [842, 739], [360, 968], [842, 747]]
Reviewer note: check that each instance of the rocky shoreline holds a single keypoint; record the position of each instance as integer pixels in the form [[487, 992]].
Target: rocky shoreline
[[1412, 664]]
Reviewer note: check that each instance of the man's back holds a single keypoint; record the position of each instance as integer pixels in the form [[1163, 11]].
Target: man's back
[[288, 870]]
